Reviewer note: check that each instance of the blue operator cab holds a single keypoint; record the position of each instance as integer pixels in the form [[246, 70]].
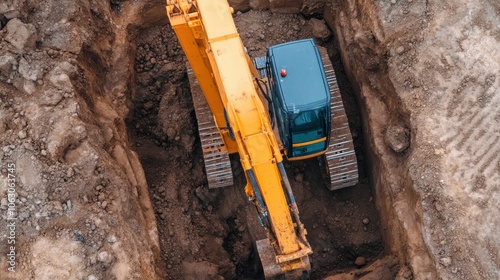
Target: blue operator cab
[[301, 98]]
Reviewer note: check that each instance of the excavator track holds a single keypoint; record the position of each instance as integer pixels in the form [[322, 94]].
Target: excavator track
[[340, 159], [215, 155]]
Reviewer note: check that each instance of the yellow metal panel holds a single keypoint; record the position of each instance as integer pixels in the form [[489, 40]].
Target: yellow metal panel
[[309, 143], [217, 18], [269, 180], [258, 149], [277, 207], [306, 157]]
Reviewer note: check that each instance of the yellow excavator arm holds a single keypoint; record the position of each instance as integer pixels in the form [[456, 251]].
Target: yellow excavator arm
[[208, 36]]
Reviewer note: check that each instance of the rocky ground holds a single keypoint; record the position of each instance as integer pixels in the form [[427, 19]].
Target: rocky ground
[[82, 201], [429, 69], [98, 138]]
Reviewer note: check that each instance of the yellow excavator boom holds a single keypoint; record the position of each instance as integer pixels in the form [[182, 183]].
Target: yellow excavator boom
[[208, 36]]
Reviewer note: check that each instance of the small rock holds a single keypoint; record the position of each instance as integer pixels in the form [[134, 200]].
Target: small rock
[[22, 134], [93, 259], [112, 238], [400, 50], [57, 206], [102, 196], [397, 138], [393, 1], [30, 71], [92, 277], [105, 257], [99, 187], [28, 146], [360, 261], [68, 204], [50, 97], [61, 80], [171, 133], [366, 221], [439, 207], [12, 14], [70, 172], [7, 62], [43, 152], [20, 35], [104, 204], [445, 261], [319, 29]]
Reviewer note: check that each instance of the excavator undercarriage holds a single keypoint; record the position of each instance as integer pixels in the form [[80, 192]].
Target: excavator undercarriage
[[215, 155], [340, 159]]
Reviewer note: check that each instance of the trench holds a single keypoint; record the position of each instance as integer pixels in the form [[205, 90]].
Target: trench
[[212, 232]]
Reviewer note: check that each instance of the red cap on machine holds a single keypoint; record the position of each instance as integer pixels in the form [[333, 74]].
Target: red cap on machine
[[283, 72]]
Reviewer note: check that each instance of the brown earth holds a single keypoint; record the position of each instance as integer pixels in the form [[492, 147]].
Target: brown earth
[[96, 114], [430, 69]]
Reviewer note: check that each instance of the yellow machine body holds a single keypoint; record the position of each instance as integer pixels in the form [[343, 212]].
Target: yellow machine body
[[208, 36]]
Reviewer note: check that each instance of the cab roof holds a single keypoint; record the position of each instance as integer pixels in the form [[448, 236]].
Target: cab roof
[[304, 87]]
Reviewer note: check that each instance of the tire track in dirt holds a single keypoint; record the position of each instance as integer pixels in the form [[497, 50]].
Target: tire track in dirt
[[477, 139], [460, 125]]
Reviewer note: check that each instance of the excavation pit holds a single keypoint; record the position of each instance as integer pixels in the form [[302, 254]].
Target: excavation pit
[[213, 231]]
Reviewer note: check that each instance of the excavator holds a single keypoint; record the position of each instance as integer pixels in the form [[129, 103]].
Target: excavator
[[285, 105]]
